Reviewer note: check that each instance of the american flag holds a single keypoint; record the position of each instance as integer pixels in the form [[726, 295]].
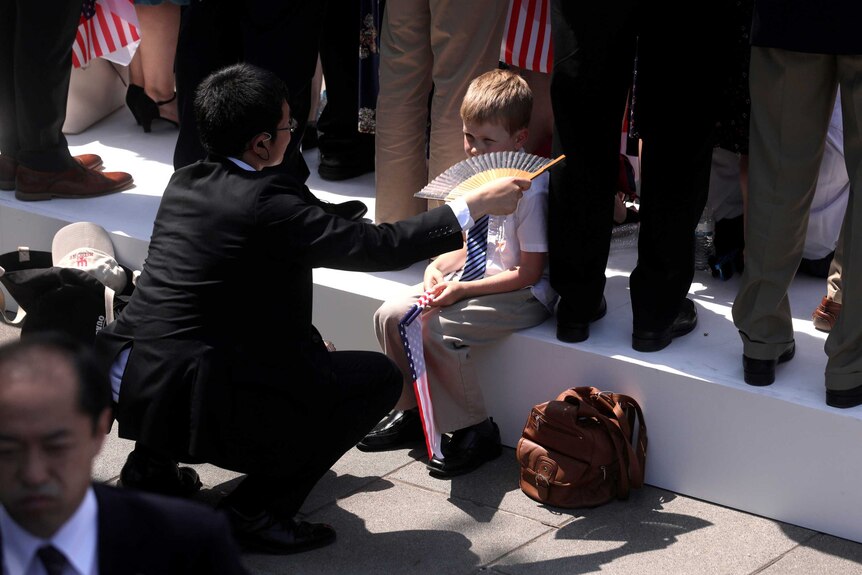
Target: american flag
[[111, 33], [527, 37], [410, 328]]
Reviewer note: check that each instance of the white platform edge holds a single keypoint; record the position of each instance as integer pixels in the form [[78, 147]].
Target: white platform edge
[[778, 451]]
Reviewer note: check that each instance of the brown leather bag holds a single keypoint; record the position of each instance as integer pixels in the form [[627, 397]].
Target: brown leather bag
[[579, 450]]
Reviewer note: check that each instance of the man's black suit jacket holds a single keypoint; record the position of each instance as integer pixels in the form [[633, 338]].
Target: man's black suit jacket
[[143, 534], [226, 366], [825, 27]]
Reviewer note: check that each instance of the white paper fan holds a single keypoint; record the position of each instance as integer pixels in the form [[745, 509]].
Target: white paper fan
[[478, 170]]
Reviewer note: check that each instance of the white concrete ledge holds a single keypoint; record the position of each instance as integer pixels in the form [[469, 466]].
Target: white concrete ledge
[[777, 451]]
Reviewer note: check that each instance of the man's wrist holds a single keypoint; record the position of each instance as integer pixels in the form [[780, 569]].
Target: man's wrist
[[461, 210]]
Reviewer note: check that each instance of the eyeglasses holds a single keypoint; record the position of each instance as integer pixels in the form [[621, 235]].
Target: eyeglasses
[[292, 126]]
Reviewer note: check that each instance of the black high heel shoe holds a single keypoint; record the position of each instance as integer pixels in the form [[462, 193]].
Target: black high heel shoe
[[146, 110], [134, 93]]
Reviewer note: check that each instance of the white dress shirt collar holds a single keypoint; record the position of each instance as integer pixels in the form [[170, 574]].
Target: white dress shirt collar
[[241, 164], [77, 539]]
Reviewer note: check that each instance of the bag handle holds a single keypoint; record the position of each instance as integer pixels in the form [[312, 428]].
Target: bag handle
[[613, 429], [625, 409], [19, 317], [109, 306], [610, 408], [23, 258], [638, 464]]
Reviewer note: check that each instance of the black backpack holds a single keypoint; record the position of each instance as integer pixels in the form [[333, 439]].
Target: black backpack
[[53, 298]]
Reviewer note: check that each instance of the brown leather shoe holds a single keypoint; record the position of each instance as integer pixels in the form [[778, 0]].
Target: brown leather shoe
[[8, 167], [77, 182], [825, 315], [89, 161]]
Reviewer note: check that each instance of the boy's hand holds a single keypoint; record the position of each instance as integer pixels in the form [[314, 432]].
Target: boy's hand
[[432, 278], [447, 293], [498, 197]]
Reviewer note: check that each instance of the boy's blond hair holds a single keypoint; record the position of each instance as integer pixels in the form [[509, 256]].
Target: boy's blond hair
[[499, 97]]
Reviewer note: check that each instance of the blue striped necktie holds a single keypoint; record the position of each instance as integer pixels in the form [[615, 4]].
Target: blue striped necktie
[[477, 248]]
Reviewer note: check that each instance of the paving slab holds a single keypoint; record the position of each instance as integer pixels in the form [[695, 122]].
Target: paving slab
[[494, 484], [356, 470], [393, 527], [656, 532], [391, 515], [820, 554]]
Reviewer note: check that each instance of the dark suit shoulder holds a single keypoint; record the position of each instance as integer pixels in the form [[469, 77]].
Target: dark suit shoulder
[[146, 533]]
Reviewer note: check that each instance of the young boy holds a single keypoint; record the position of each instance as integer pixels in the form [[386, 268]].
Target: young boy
[[513, 294]]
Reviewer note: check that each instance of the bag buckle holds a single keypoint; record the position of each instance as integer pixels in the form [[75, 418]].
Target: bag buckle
[[542, 481], [23, 253]]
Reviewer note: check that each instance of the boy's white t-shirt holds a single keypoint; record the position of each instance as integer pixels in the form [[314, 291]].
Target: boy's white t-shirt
[[526, 229]]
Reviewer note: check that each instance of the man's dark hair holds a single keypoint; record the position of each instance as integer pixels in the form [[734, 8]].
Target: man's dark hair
[[234, 104], [94, 387]]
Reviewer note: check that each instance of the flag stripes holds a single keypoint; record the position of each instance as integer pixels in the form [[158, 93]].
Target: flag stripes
[[527, 38], [102, 35]]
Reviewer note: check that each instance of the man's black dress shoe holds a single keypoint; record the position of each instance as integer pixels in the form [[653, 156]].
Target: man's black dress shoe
[[844, 398], [158, 475], [468, 449], [394, 430], [685, 321], [337, 167], [265, 532], [351, 209], [574, 332], [761, 372]]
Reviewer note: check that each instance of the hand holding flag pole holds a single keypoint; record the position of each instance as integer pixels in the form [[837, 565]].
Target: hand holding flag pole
[[410, 328]]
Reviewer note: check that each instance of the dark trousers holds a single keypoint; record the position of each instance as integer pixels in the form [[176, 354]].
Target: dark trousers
[[679, 107], [339, 48], [35, 67], [594, 48], [675, 112], [278, 35], [367, 385]]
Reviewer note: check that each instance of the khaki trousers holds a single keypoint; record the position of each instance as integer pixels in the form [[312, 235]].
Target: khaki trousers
[[425, 44], [792, 95], [449, 334]]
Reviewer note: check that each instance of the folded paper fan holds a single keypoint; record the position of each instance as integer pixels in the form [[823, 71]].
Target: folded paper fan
[[478, 170]]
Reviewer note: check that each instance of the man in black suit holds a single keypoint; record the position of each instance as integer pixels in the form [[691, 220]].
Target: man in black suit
[[55, 409], [35, 68], [257, 392]]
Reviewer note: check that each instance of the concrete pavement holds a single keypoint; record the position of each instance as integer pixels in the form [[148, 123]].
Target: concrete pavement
[[392, 517]]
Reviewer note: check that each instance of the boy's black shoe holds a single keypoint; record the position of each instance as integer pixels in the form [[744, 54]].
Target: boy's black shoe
[[393, 431], [468, 449]]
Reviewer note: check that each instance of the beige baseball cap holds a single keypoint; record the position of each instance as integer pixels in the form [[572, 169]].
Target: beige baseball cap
[[87, 246]]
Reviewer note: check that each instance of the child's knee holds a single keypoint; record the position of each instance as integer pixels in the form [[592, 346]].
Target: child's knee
[[390, 313]]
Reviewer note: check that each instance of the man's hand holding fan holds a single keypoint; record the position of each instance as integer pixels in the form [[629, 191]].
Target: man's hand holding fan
[[476, 172]]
